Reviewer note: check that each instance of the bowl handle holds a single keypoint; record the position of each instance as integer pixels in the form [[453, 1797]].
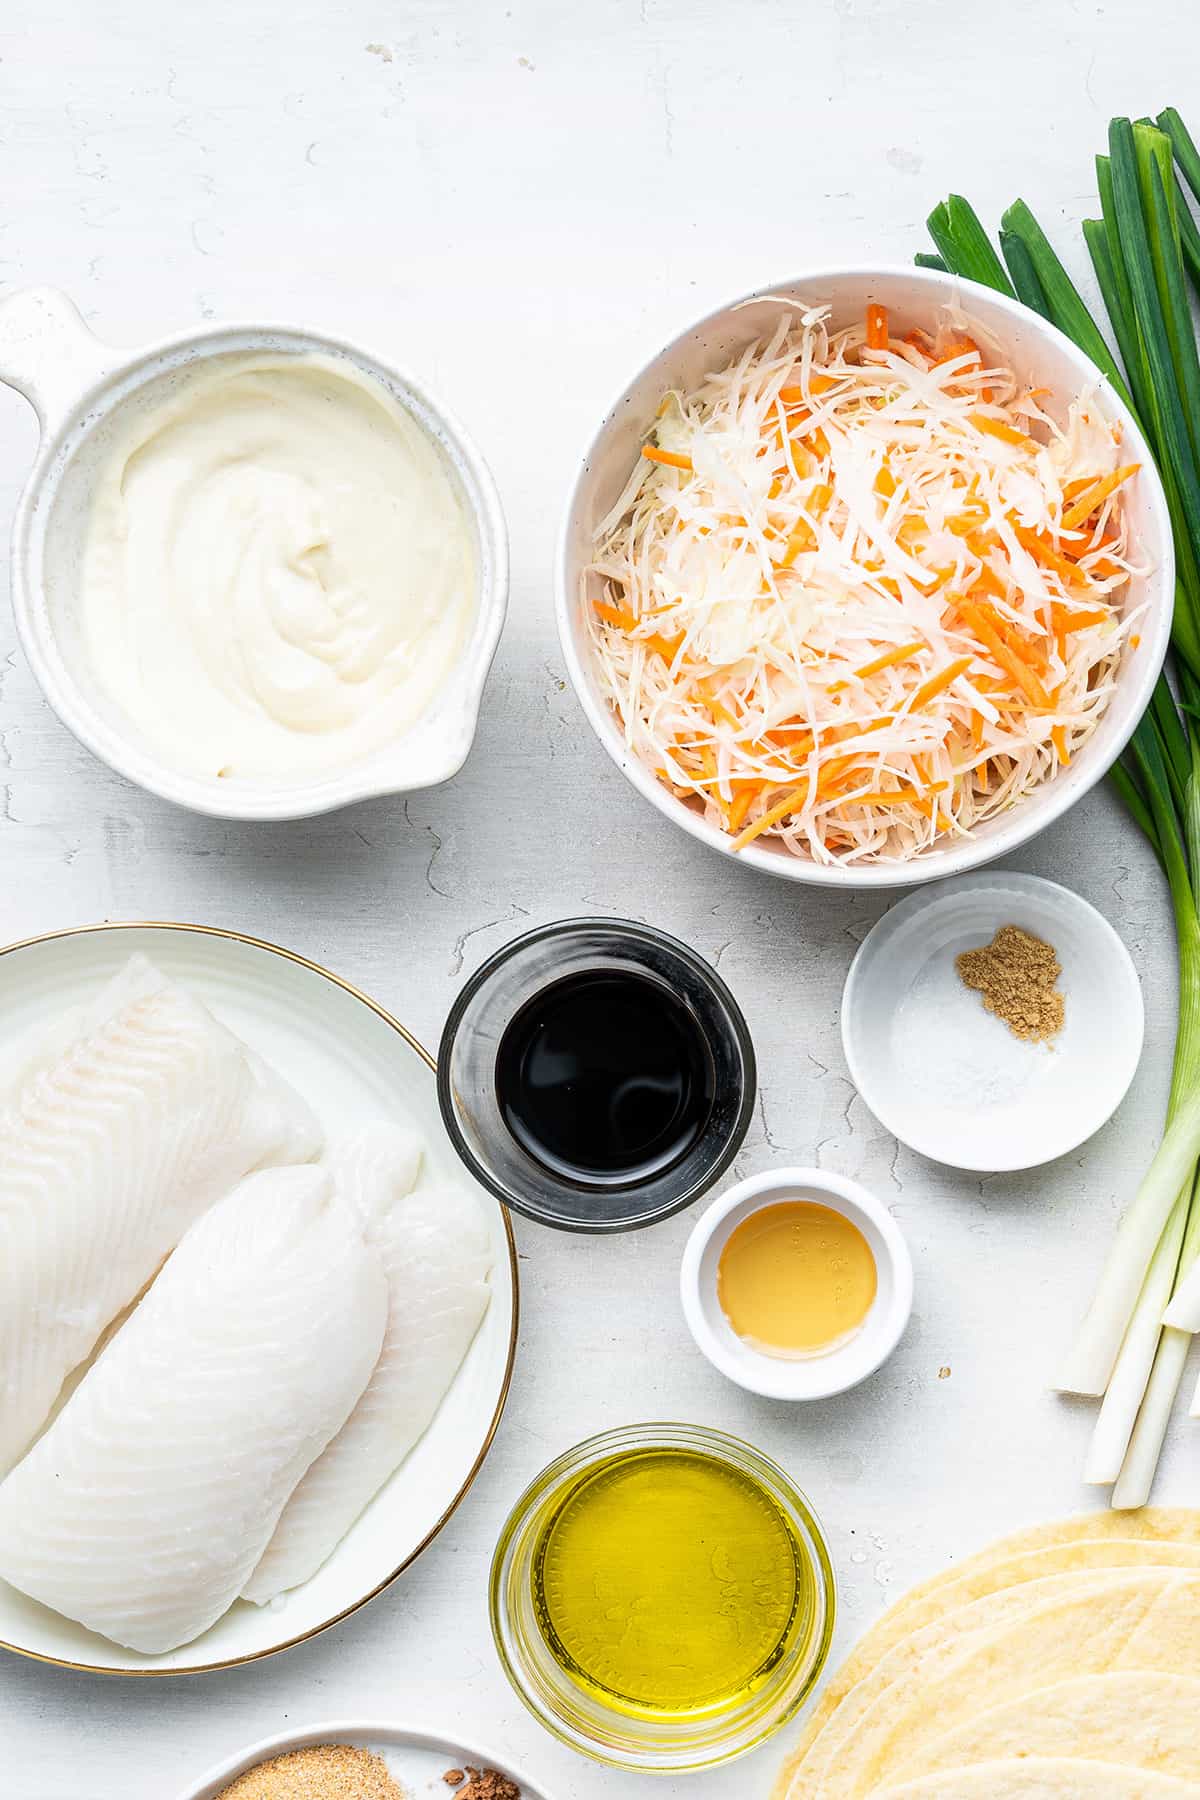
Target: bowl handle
[[48, 354]]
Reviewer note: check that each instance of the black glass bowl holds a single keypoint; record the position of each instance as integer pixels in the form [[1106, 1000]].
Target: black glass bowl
[[489, 1002]]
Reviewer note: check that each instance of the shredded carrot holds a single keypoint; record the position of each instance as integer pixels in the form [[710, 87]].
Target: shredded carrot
[[707, 691], [1046, 554], [1008, 434], [902, 796], [803, 538], [877, 327], [789, 804], [615, 615], [668, 458], [898, 654], [1103, 569], [1096, 495], [941, 680], [741, 803], [990, 582], [796, 396], [888, 657], [1058, 737], [1004, 653], [959, 347], [1068, 618], [784, 737], [665, 647]]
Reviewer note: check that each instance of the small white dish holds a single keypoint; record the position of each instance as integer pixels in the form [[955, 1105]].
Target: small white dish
[[354, 1063], [416, 1757], [945, 1075], [79, 387], [810, 1377]]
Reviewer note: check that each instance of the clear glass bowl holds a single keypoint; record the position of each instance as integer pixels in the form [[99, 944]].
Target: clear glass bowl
[[573, 1714], [493, 996]]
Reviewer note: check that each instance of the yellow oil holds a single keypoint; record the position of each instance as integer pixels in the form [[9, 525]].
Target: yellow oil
[[669, 1583], [796, 1279]]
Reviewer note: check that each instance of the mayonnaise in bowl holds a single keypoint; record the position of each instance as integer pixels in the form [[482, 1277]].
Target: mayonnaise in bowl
[[279, 571]]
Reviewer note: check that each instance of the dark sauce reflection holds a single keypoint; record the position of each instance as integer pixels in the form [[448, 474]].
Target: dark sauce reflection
[[605, 1077]]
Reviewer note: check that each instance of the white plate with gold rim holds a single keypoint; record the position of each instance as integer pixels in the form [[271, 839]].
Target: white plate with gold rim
[[354, 1063], [419, 1760]]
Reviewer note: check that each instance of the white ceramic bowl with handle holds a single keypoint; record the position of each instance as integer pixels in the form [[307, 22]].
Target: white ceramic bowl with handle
[[78, 386], [1037, 352]]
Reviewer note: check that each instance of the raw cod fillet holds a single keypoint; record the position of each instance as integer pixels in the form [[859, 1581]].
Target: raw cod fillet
[[145, 1506], [117, 1131], [436, 1254]]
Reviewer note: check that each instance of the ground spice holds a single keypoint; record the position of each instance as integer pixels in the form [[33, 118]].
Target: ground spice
[[482, 1784], [1015, 974], [326, 1772]]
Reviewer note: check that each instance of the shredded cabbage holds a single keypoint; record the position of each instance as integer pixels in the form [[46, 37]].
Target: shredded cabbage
[[845, 600]]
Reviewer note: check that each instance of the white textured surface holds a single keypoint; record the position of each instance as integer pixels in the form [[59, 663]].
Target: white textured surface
[[523, 202]]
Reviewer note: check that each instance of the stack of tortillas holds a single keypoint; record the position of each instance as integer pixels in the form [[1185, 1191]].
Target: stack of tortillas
[[1059, 1664]]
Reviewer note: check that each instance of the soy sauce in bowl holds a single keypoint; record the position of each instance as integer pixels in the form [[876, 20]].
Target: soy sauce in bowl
[[605, 1076], [596, 1075]]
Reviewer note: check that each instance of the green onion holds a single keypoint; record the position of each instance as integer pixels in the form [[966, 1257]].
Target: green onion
[[1066, 309], [1172, 433], [1182, 147], [1143, 248], [1189, 235], [964, 245], [1025, 277], [925, 260], [1131, 1489], [1159, 743], [1110, 277], [1125, 1393]]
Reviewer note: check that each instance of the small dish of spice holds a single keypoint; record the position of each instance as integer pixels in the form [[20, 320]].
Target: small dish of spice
[[355, 1761], [993, 1022]]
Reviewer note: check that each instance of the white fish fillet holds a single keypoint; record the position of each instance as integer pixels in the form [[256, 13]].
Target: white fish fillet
[[145, 1506], [113, 1140], [436, 1253]]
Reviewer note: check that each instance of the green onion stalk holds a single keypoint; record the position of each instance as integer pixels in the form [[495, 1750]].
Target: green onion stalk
[[1145, 250]]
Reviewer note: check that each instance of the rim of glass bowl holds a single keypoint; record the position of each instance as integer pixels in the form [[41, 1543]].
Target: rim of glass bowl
[[628, 928], [688, 1752]]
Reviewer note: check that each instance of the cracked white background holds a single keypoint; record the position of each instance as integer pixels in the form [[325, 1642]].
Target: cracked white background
[[523, 202]]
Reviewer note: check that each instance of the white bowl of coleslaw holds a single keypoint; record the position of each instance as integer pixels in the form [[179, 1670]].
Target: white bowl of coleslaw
[[963, 592]]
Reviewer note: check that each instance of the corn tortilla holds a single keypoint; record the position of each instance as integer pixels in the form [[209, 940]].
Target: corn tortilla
[[1043, 1778], [1138, 1619], [1157, 1535], [1150, 1721]]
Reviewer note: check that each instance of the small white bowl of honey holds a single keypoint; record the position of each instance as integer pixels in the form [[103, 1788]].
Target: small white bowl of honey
[[797, 1284]]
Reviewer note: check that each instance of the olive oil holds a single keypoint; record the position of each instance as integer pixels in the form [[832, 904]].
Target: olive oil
[[668, 1583]]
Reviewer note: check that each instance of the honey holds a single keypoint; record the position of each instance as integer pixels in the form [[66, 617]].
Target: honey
[[796, 1279], [668, 1583]]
